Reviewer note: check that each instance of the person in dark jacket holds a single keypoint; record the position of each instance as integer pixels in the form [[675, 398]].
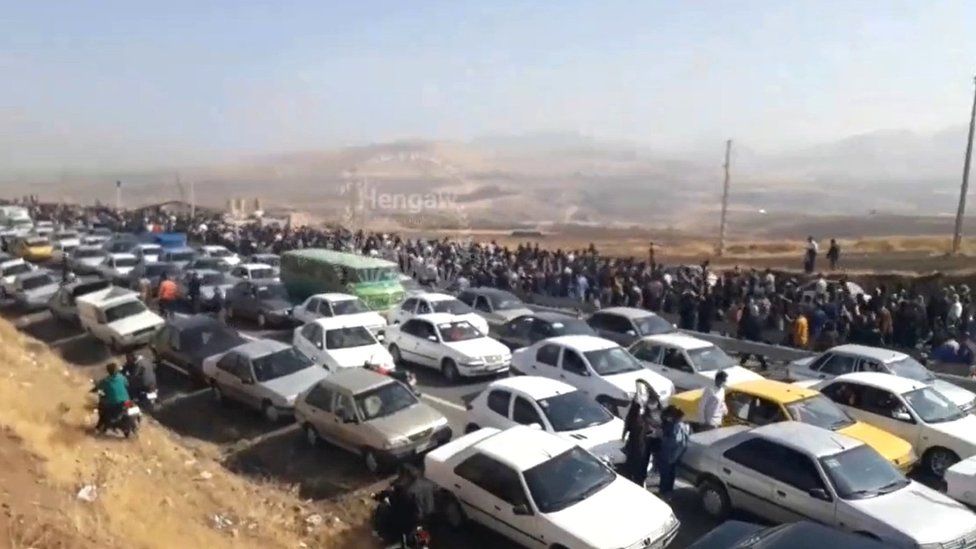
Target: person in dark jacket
[[641, 432], [674, 442], [750, 329], [706, 312]]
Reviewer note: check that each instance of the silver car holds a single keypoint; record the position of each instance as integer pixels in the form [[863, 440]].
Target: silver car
[[266, 375], [791, 471], [33, 290], [372, 415], [85, 259]]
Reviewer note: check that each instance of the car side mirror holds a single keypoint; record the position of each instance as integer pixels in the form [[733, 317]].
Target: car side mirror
[[247, 380], [348, 417], [631, 333], [536, 426], [819, 493], [902, 416], [432, 338], [521, 510]]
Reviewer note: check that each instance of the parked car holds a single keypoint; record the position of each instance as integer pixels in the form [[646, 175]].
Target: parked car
[[62, 304], [33, 289], [184, 342], [117, 317], [264, 374], [264, 301], [341, 342], [765, 401], [245, 271], [529, 485], [625, 325], [220, 252], [180, 256], [427, 303], [147, 253], [554, 407], [273, 260], [941, 432], [65, 241], [9, 271], [735, 534], [209, 282], [208, 264], [455, 347], [370, 414], [689, 362], [153, 272], [94, 239], [494, 305], [116, 267], [790, 471], [85, 259], [960, 481], [599, 367], [336, 304], [846, 359], [525, 330], [33, 248]]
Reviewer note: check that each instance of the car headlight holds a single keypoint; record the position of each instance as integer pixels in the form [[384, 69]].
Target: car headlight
[[440, 423], [473, 362], [968, 406], [395, 442]]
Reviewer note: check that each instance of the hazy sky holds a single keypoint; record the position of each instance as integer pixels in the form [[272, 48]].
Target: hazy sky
[[100, 84]]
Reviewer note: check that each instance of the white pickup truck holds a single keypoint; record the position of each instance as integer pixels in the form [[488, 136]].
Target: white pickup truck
[[117, 317]]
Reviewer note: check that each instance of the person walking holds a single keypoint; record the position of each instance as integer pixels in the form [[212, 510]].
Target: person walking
[[641, 432], [193, 291], [810, 256], [712, 407], [674, 442], [801, 331], [168, 293], [833, 254]]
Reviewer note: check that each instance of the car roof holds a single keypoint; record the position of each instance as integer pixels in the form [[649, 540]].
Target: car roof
[[629, 312], [194, 321], [122, 256], [356, 380], [439, 318], [552, 316], [144, 245], [523, 447], [489, 291], [341, 321], [582, 343], [213, 247], [434, 296], [255, 265], [807, 438], [680, 340], [335, 296], [888, 382], [266, 282], [778, 391], [535, 387], [877, 353], [261, 347], [178, 249]]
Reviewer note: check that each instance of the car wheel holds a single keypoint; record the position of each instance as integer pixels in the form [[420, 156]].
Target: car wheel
[[938, 460], [471, 427], [216, 393], [270, 412], [262, 321], [395, 353], [450, 371], [311, 435], [714, 499], [453, 513], [372, 462]]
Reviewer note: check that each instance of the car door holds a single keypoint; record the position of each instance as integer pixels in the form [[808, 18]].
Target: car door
[[482, 306], [810, 370], [429, 346], [490, 491], [412, 332], [573, 370], [318, 410], [515, 334], [525, 412], [599, 323], [498, 403], [545, 363], [678, 369], [175, 353], [838, 364], [799, 490], [405, 311], [306, 312], [876, 407], [741, 469], [309, 341], [227, 375], [349, 434]]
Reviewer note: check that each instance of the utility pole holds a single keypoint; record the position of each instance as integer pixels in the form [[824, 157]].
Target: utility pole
[[957, 235], [118, 195], [725, 199], [193, 199]]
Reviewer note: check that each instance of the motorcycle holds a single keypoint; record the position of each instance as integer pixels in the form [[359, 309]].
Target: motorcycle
[[418, 537], [125, 421]]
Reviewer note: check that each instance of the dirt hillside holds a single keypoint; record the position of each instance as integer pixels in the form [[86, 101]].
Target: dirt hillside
[[153, 492]]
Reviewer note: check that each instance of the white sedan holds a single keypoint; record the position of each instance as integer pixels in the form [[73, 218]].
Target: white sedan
[[430, 302], [453, 346], [941, 433], [689, 362], [220, 252], [552, 406], [335, 304], [341, 342], [541, 490], [598, 367], [9, 270], [116, 266]]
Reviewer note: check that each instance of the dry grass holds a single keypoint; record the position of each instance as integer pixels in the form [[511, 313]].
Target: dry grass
[[152, 492]]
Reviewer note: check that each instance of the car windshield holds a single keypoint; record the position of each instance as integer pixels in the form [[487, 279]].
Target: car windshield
[[275, 291], [346, 338], [910, 368], [384, 400], [220, 252], [124, 310], [38, 242], [652, 325], [453, 306], [861, 473], [88, 253], [614, 360], [279, 364], [262, 272], [574, 410], [571, 326], [461, 330], [272, 260], [150, 250], [35, 282], [504, 301], [160, 268], [216, 338], [16, 269], [180, 256], [567, 479], [820, 411], [126, 262], [931, 406], [710, 358], [349, 307]]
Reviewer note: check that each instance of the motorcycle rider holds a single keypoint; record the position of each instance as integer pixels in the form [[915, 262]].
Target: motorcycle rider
[[113, 393], [398, 520], [140, 373]]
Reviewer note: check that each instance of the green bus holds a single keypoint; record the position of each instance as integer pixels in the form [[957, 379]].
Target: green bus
[[317, 270]]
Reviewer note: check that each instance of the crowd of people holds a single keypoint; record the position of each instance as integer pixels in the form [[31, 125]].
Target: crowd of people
[[810, 311]]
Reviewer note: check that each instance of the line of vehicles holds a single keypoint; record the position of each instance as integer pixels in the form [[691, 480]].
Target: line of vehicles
[[541, 442]]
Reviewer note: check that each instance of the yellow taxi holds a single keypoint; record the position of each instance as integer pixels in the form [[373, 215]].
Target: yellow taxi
[[33, 248], [763, 401]]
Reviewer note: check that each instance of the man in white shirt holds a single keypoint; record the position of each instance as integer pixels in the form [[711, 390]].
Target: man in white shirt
[[712, 408]]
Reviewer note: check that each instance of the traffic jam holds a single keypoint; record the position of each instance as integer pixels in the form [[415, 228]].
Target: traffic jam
[[528, 426]]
